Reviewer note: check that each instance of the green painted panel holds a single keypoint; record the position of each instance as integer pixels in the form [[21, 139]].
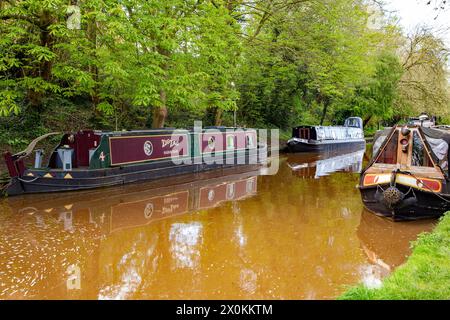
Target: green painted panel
[[101, 157]]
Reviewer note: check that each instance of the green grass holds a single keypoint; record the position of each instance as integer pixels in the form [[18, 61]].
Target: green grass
[[425, 275]]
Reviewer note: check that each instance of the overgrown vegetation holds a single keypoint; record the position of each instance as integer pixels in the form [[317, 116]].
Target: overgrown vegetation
[[133, 64], [426, 274]]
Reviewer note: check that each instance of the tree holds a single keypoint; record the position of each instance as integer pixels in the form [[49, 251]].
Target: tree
[[376, 98], [307, 58], [28, 30], [127, 55], [424, 85]]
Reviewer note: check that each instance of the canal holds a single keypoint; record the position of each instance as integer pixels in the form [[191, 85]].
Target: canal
[[231, 234]]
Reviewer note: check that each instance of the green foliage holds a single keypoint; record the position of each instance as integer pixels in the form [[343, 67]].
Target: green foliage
[[376, 97], [425, 275], [277, 63], [312, 62], [126, 54]]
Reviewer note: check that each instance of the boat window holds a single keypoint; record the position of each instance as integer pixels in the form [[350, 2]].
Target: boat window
[[230, 141], [353, 122], [249, 138], [389, 154], [420, 155]]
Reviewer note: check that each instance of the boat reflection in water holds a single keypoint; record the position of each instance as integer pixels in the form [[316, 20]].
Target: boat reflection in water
[[396, 239], [322, 164], [386, 244], [55, 247]]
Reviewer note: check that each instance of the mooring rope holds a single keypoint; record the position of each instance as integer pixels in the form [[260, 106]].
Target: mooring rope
[[27, 181]]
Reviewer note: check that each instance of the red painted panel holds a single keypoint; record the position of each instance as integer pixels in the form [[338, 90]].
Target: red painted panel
[[10, 164], [145, 211], [212, 196], [368, 180], [220, 141], [134, 149], [434, 185], [20, 166], [84, 140]]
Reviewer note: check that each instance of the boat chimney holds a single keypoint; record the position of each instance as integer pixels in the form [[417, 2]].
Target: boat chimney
[[38, 158]]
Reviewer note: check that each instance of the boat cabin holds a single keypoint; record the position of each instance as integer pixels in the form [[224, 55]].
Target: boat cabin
[[423, 120], [411, 148], [352, 129]]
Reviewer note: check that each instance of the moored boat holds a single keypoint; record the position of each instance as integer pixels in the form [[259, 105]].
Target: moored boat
[[320, 138], [407, 177], [423, 120], [90, 159]]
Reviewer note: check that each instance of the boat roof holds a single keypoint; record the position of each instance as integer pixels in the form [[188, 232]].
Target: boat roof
[[164, 130]]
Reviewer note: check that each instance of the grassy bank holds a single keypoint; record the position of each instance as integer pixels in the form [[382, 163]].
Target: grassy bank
[[426, 274]]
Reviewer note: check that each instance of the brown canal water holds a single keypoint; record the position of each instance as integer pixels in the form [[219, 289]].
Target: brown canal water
[[231, 234]]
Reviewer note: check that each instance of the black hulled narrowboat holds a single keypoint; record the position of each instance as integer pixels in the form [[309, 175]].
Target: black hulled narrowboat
[[321, 138], [89, 159], [407, 177]]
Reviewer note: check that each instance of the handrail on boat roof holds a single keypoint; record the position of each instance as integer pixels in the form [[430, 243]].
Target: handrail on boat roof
[[32, 145]]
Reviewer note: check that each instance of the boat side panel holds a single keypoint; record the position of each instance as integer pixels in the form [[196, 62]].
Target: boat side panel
[[228, 141], [89, 179], [134, 149], [101, 157], [319, 147]]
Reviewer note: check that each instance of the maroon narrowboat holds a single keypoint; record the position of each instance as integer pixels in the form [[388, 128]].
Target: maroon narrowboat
[[90, 159]]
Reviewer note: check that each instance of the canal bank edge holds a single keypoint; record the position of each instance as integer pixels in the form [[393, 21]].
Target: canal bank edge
[[424, 276]]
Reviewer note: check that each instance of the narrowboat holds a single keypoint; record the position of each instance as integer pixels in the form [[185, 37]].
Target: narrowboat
[[90, 159], [407, 177], [320, 138], [423, 120]]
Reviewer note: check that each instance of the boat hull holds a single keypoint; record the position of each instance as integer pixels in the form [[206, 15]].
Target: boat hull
[[91, 179], [297, 145], [418, 204]]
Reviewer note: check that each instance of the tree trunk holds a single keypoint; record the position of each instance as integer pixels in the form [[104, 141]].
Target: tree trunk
[[45, 67], [46, 41], [160, 113], [366, 120], [326, 102], [93, 70], [218, 117]]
